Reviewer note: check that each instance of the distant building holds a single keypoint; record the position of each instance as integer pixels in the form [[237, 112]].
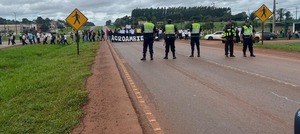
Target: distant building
[[18, 28]]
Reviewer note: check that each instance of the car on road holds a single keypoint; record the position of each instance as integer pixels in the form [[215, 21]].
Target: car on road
[[267, 36], [214, 36]]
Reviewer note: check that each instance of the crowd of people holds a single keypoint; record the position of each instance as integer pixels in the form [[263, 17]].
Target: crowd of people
[[43, 38], [53, 38]]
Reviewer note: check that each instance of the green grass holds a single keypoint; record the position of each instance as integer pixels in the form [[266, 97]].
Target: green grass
[[292, 47], [4, 38], [42, 87]]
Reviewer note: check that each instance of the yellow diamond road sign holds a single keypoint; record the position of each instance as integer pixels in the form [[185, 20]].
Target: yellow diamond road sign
[[263, 13], [76, 19]]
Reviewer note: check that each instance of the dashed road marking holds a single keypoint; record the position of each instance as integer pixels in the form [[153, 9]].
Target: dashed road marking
[[286, 98]]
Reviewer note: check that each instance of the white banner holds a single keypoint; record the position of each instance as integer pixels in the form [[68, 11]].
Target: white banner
[[124, 38]]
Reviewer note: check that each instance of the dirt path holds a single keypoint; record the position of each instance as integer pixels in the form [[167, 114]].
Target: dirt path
[[109, 110]]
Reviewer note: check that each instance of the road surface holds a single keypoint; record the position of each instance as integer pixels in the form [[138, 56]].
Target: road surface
[[214, 94]]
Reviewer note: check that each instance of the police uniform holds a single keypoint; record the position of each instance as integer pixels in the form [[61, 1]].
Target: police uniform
[[247, 36], [228, 33], [148, 30], [170, 30], [195, 37]]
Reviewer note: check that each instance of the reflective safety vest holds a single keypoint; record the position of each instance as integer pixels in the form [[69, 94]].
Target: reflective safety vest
[[148, 27], [248, 30], [170, 29], [195, 28], [230, 32]]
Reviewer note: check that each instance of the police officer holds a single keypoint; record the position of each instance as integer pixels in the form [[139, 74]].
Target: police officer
[[247, 35], [170, 30], [228, 33], [148, 30], [195, 36]]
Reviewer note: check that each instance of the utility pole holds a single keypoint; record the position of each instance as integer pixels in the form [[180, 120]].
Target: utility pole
[[16, 22], [274, 16], [296, 13]]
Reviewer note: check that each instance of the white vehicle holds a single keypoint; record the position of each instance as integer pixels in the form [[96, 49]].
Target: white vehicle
[[215, 36]]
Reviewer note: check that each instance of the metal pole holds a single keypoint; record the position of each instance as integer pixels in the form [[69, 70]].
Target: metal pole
[[16, 22], [296, 13], [274, 16], [262, 33], [77, 41]]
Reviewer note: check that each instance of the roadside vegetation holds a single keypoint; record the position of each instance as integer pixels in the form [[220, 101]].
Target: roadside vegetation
[[42, 87], [292, 47]]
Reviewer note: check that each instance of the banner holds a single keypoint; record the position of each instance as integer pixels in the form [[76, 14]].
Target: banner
[[127, 38]]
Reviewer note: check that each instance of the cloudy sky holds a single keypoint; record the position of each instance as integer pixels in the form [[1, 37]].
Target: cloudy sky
[[99, 11]]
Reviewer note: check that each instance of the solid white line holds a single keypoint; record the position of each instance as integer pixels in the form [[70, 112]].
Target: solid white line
[[286, 98]]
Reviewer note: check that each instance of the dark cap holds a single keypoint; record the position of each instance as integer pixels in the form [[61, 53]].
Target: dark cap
[[246, 21], [149, 19], [169, 21]]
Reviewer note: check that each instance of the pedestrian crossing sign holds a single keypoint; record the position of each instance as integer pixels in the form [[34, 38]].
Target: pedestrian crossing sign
[[263, 13], [76, 19]]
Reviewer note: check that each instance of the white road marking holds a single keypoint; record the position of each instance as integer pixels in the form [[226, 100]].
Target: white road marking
[[255, 74], [286, 98]]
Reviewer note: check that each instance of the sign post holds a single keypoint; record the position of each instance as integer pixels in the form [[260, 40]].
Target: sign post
[[76, 19], [263, 13]]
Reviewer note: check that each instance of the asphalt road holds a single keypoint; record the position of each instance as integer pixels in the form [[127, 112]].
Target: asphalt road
[[214, 94]]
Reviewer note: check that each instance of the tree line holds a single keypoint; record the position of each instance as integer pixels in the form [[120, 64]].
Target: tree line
[[205, 14]]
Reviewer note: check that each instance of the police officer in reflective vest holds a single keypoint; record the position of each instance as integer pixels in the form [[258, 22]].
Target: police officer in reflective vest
[[228, 34], [247, 35], [170, 30], [148, 30], [195, 37]]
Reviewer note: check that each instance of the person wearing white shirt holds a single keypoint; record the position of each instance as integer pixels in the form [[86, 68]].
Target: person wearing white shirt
[[38, 37], [65, 39]]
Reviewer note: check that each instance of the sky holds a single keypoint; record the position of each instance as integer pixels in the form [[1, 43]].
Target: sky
[[99, 11]]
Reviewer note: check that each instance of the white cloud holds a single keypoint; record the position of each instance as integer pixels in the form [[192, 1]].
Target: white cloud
[[99, 11]]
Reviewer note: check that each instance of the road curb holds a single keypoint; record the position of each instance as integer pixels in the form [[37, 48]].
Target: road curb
[[142, 109]]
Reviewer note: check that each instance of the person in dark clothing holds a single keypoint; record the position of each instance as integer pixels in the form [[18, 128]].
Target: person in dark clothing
[[13, 39], [170, 30], [247, 35], [45, 39], [93, 36], [228, 34], [195, 29], [148, 30], [52, 40], [102, 35]]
